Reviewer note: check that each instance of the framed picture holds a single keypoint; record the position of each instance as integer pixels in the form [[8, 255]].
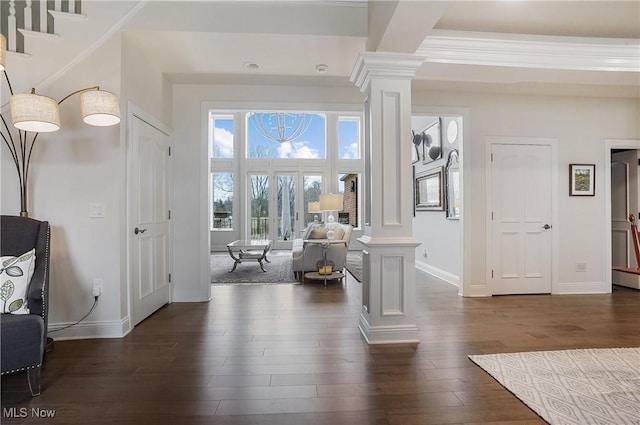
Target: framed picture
[[432, 142], [414, 188], [416, 141], [582, 179], [429, 190]]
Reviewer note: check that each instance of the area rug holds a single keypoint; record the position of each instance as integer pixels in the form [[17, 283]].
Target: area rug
[[573, 387], [354, 264], [279, 270]]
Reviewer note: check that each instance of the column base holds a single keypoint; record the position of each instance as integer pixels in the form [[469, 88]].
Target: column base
[[388, 334]]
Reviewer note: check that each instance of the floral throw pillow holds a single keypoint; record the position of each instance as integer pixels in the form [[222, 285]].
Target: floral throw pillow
[[15, 275]]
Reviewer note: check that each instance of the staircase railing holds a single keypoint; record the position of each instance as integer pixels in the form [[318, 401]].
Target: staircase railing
[[31, 15]]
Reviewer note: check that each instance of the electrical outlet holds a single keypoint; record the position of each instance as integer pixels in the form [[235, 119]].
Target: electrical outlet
[[581, 266], [97, 287]]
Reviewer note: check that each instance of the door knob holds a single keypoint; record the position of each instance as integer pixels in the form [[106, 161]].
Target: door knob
[[546, 227], [136, 230]]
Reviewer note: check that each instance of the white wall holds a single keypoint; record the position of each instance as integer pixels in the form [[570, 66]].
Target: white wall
[[580, 124], [440, 250], [72, 168], [143, 83], [190, 165]]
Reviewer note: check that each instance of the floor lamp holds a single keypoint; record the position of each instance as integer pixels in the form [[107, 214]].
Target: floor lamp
[[32, 114]]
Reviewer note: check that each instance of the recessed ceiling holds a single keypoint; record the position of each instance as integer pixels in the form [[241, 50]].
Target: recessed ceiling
[[284, 47], [210, 41], [606, 19]]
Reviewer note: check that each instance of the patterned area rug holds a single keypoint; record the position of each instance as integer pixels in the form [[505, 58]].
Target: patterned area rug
[[573, 387], [279, 270], [354, 264]]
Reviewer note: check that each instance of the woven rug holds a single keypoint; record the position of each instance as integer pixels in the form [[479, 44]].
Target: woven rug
[[573, 387], [354, 264], [279, 270]]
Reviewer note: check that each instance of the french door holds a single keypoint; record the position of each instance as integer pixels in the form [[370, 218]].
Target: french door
[[277, 205]]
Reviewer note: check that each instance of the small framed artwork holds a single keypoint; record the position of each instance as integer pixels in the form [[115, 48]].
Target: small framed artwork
[[414, 188], [416, 142], [432, 142], [429, 190], [582, 179]]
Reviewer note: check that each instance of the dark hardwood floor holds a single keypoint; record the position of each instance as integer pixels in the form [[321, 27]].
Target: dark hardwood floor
[[292, 354]]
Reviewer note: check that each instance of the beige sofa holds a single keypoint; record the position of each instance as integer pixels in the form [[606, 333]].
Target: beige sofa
[[307, 255]]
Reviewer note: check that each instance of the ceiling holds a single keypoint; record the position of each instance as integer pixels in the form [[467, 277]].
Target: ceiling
[[608, 19], [214, 40]]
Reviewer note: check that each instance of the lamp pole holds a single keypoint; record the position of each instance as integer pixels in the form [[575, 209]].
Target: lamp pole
[[20, 154]]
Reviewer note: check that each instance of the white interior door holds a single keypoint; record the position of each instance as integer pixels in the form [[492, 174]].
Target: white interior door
[[521, 227], [149, 235], [624, 200]]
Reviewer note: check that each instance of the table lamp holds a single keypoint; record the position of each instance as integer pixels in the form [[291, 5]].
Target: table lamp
[[331, 202]]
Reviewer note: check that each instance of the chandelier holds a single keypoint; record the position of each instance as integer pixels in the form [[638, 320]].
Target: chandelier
[[280, 127]]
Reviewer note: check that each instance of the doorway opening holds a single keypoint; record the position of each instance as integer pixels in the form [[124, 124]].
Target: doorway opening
[[625, 187]]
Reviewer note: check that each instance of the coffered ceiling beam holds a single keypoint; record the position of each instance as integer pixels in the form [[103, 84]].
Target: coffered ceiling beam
[[401, 26], [527, 51]]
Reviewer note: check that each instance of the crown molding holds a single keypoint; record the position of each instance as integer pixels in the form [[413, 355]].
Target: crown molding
[[397, 66], [528, 51]]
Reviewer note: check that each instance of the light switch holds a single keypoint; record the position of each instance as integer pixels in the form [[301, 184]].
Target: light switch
[[96, 210]]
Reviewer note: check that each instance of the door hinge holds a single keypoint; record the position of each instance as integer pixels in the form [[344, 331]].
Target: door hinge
[[491, 215], [169, 277], [491, 157], [491, 275], [169, 150], [169, 214]]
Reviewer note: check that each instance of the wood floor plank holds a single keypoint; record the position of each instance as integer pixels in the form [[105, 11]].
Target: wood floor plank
[[292, 354]]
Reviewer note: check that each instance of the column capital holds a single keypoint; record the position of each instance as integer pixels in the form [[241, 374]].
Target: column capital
[[398, 66]]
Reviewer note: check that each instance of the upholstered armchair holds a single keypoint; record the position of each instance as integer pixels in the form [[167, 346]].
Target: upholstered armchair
[[306, 255], [24, 247]]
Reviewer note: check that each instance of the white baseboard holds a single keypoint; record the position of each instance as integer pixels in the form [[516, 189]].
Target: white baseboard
[[389, 334], [582, 288], [630, 280], [90, 330], [188, 295], [439, 273]]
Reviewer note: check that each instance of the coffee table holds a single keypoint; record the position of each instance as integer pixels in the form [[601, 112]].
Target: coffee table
[[249, 250]]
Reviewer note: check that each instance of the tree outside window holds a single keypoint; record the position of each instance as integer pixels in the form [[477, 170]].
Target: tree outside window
[[222, 201]]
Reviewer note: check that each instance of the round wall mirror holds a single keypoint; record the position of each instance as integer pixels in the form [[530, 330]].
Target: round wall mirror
[[452, 175], [452, 131]]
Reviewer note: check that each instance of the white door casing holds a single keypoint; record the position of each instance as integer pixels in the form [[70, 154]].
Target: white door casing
[[148, 227], [521, 228]]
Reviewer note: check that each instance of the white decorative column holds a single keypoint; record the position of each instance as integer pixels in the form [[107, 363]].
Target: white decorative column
[[388, 297]]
